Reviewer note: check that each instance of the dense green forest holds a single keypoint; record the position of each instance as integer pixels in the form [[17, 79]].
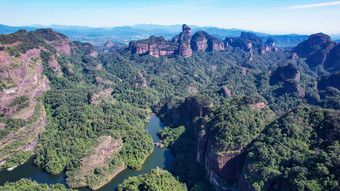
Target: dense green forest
[[28, 185], [298, 151], [156, 179], [219, 101], [75, 123]]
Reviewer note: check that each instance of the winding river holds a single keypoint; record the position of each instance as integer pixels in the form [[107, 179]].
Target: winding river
[[161, 158]]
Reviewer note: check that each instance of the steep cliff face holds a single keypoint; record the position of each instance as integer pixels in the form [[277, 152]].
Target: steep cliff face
[[154, 46], [184, 39], [223, 140], [182, 44], [203, 41], [250, 42], [22, 82]]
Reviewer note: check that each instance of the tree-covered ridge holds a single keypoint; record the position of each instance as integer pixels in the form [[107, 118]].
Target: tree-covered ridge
[[74, 123], [22, 41], [237, 122], [298, 151], [156, 179], [99, 164], [28, 185]]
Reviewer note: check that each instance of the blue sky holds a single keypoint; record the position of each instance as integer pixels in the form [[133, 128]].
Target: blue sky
[[271, 16]]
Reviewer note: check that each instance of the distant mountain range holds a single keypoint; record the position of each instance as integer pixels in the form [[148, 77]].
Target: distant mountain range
[[125, 34]]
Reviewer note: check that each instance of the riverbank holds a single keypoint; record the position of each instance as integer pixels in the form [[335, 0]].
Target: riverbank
[[160, 157], [109, 178], [146, 157]]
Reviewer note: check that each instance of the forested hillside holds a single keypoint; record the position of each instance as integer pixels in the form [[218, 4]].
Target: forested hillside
[[239, 113]]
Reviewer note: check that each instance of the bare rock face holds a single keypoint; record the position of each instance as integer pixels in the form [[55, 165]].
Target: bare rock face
[[27, 80], [184, 39], [295, 56], [139, 48], [203, 41], [250, 42], [184, 50], [199, 41], [225, 166], [154, 46], [227, 42]]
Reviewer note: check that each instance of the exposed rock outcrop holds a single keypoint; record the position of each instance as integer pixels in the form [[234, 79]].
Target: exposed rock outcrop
[[96, 158], [224, 161], [184, 39], [22, 82], [203, 41], [318, 50], [250, 42], [182, 44], [154, 46]]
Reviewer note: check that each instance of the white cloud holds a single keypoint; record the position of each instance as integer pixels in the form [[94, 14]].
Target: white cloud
[[314, 5]]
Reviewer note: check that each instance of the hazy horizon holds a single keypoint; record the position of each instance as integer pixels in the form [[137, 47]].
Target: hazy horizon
[[274, 17]]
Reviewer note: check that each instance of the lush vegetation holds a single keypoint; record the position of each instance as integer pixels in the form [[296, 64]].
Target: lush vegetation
[[28, 185], [237, 122], [298, 151], [98, 165], [170, 135], [156, 179], [11, 125], [75, 123]]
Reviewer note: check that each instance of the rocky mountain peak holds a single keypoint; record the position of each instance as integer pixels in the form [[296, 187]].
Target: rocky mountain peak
[[186, 28], [319, 49], [318, 38], [203, 41], [316, 42]]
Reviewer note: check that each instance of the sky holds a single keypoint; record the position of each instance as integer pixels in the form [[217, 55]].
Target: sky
[[270, 16]]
